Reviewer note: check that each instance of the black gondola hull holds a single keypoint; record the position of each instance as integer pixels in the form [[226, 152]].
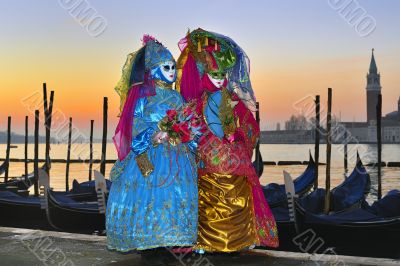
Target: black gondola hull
[[366, 239], [379, 239], [371, 238], [26, 212], [286, 234], [74, 219], [23, 215]]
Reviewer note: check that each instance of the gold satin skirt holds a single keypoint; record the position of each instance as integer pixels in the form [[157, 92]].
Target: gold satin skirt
[[226, 220]]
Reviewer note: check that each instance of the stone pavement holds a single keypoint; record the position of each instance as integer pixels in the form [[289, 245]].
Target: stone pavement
[[35, 247]]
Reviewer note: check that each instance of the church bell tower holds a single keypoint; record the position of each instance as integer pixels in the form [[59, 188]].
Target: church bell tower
[[373, 89], [398, 109]]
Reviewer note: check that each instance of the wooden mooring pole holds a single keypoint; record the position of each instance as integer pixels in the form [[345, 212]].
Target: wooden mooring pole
[[48, 110], [317, 137], [104, 140], [345, 153], [379, 141], [26, 149], [46, 114], [91, 150], [8, 149], [36, 154], [328, 153], [259, 164], [68, 155]]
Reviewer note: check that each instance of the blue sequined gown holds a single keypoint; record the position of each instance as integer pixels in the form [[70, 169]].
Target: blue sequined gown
[[159, 210]]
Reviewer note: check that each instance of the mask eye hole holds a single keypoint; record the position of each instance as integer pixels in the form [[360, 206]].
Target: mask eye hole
[[173, 67], [166, 67], [217, 75]]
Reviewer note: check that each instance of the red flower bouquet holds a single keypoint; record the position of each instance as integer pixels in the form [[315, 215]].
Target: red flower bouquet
[[182, 125]]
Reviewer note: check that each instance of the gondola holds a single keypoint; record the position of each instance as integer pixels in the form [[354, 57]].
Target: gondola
[[66, 214], [365, 231], [87, 187], [275, 194], [26, 211], [20, 211], [21, 183], [350, 194]]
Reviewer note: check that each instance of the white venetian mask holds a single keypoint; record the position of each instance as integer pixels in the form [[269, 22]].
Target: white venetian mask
[[217, 79], [168, 70]]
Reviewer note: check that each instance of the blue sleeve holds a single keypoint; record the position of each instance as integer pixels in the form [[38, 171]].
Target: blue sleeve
[[211, 114], [143, 141], [142, 129]]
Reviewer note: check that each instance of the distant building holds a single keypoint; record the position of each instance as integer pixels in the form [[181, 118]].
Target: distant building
[[297, 130], [359, 131], [287, 136], [366, 131], [278, 126], [393, 116], [391, 134], [297, 123], [373, 89]]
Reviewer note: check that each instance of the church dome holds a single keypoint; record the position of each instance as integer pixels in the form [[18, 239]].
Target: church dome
[[392, 115]]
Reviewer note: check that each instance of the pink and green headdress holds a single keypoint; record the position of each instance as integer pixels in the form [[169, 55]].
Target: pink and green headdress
[[213, 53]]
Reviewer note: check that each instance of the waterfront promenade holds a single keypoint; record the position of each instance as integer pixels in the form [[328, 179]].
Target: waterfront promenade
[[34, 247]]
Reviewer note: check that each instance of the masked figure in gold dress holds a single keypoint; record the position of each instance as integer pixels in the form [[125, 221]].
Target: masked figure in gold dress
[[233, 213]]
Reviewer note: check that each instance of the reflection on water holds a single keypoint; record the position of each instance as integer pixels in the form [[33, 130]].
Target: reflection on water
[[270, 152]]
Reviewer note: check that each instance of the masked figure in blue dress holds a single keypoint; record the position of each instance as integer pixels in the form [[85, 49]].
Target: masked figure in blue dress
[[153, 200]]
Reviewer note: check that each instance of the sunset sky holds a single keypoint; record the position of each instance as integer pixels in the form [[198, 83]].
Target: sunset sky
[[296, 48]]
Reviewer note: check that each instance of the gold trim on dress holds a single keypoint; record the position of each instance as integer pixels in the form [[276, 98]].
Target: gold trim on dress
[[162, 84], [227, 117], [144, 164]]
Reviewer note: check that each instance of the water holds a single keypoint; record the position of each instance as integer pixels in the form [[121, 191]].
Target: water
[[270, 152]]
